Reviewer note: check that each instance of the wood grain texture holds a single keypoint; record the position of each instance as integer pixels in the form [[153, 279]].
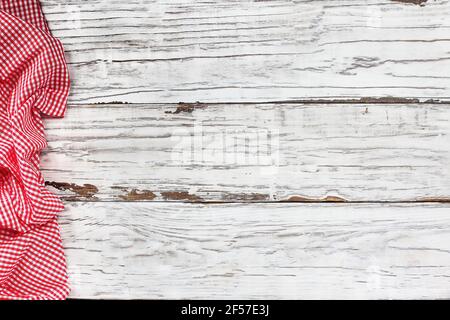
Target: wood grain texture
[[156, 250], [251, 152], [235, 51], [374, 128]]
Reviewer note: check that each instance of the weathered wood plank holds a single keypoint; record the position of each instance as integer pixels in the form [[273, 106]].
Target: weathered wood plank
[[236, 51], [248, 152], [279, 251]]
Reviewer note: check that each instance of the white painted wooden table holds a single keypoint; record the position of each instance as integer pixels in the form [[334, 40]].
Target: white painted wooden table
[[316, 164]]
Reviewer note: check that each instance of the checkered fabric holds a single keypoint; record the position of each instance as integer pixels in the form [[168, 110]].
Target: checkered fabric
[[34, 82]]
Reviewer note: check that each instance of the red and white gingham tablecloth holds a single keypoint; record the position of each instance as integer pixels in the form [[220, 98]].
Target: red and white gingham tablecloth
[[34, 82]]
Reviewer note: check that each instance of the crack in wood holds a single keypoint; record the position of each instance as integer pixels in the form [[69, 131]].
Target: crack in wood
[[366, 100], [112, 102]]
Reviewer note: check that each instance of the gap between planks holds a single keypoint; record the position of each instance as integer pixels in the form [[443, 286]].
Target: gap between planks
[[318, 100]]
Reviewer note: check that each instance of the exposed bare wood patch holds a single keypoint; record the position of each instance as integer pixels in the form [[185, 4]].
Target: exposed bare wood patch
[[85, 191], [434, 199], [381, 100], [248, 197], [418, 2], [187, 107], [184, 196], [136, 195], [308, 199]]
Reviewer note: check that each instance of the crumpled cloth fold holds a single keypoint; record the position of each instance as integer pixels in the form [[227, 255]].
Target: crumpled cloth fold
[[34, 82]]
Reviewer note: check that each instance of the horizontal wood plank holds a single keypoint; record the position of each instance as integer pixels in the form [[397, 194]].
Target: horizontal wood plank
[[250, 152], [259, 251], [235, 51]]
